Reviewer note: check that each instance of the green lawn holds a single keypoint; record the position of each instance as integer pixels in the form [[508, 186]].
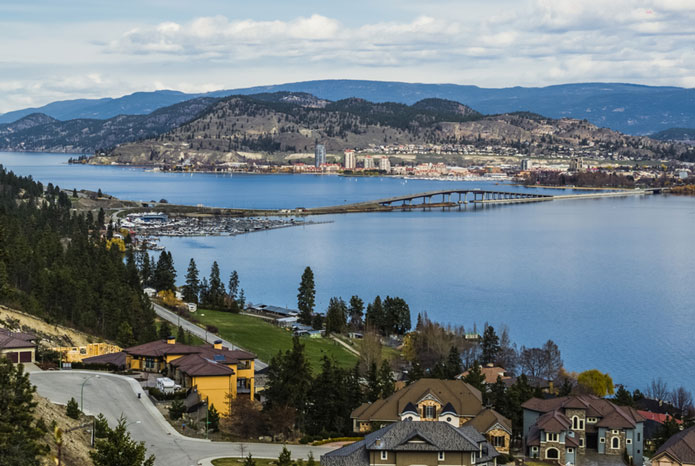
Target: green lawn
[[265, 339], [239, 461]]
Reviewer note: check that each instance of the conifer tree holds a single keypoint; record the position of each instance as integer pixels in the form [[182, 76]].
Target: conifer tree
[[490, 345], [386, 383], [234, 285], [20, 442], [72, 409], [213, 419], [118, 449], [336, 316], [356, 312], [306, 296], [192, 286], [164, 330], [285, 458], [216, 291], [181, 336], [475, 377], [373, 383]]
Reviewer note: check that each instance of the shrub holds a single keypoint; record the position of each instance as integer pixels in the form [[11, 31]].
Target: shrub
[[73, 409], [212, 328], [161, 396], [177, 409]]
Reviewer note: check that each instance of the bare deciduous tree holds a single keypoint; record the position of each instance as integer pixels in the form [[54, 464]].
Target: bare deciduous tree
[[681, 399], [657, 390]]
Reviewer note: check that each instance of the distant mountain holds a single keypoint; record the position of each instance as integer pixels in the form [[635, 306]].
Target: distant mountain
[[241, 128], [39, 132], [676, 134], [629, 108]]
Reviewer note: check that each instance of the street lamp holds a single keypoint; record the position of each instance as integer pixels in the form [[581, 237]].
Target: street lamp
[[82, 390]]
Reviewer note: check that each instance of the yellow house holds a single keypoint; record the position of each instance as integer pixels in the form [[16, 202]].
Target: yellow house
[[217, 373]]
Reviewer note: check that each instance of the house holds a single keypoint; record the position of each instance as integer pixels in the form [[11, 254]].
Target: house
[[17, 346], [216, 372], [117, 361], [451, 401], [272, 311], [653, 424], [679, 450], [491, 372], [420, 443], [562, 429], [79, 353]]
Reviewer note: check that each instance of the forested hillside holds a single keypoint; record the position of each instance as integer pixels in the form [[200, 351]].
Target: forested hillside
[[54, 264]]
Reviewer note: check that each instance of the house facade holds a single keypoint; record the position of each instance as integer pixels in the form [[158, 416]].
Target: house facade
[[215, 372], [17, 346], [407, 443], [562, 429], [679, 450], [433, 400]]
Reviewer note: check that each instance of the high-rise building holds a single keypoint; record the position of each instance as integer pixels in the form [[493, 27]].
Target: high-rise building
[[385, 164], [350, 162], [368, 162], [319, 155]]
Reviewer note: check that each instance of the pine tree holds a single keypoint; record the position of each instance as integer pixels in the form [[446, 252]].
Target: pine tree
[[374, 317], [20, 442], [234, 285], [490, 345], [285, 458], [386, 383], [181, 336], [453, 364], [306, 297], [249, 461], [216, 292], [72, 409], [164, 331], [101, 218], [475, 377], [336, 316], [192, 286], [356, 312], [373, 383], [118, 449], [101, 426], [213, 419], [164, 273], [310, 460]]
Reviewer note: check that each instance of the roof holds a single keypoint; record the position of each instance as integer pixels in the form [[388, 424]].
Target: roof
[[26, 336], [11, 341], [490, 373], [488, 419], [195, 365], [274, 309], [116, 359], [161, 348], [553, 421], [680, 447], [409, 436], [464, 399], [657, 417], [609, 414]]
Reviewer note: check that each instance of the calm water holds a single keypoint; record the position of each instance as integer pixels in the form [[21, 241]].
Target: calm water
[[610, 280]]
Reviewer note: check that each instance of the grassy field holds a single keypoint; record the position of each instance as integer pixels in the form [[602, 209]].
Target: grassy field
[[239, 461], [265, 339]]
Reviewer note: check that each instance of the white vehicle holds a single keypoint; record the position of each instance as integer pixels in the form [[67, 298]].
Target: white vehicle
[[166, 385]]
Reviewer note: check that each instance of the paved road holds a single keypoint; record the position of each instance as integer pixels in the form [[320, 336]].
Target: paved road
[[113, 395], [197, 331]]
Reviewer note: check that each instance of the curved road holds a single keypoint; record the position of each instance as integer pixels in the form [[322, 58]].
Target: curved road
[[113, 395]]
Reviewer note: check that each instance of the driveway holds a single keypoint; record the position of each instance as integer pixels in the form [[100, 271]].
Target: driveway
[[113, 395]]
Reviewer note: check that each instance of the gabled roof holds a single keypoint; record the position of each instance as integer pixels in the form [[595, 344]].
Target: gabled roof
[[465, 400], [116, 359], [554, 422], [449, 408], [680, 447], [160, 348], [12, 342], [26, 336], [490, 418], [410, 408], [611, 415], [195, 365]]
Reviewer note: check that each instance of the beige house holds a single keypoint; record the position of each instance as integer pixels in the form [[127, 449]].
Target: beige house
[[408, 443], [451, 401], [17, 346], [679, 450]]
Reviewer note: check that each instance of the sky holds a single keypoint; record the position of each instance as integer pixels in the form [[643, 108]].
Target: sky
[[57, 50]]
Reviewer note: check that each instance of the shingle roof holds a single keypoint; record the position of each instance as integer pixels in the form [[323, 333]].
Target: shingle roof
[[554, 421], [490, 418], [410, 436], [612, 416], [449, 408], [680, 447], [465, 399], [117, 359], [26, 336], [160, 348], [11, 342], [196, 365]]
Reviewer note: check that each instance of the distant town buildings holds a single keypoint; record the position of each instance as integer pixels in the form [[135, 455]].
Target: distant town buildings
[[350, 161], [526, 164], [577, 164], [319, 155], [385, 164], [368, 162]]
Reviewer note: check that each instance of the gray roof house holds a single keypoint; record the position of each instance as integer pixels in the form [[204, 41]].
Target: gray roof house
[[421, 443]]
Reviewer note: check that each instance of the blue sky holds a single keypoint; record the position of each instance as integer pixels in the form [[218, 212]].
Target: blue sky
[[71, 49]]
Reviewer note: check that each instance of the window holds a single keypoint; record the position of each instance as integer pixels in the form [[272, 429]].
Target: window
[[639, 436], [498, 441], [575, 422], [615, 442], [570, 450], [448, 419], [614, 432], [602, 440], [581, 424], [552, 453], [430, 412], [549, 437], [581, 442], [384, 455], [629, 441], [441, 456]]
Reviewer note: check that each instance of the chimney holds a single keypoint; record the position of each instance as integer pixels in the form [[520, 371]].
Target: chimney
[[217, 344], [171, 340]]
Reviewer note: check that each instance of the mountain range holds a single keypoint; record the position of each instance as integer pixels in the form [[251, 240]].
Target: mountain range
[[275, 125], [628, 108]]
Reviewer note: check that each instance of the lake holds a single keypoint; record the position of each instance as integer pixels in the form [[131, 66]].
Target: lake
[[609, 280]]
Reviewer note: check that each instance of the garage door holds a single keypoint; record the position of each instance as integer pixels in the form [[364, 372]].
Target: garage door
[[12, 356], [25, 356]]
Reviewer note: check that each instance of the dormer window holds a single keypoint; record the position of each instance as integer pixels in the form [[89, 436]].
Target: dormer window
[[551, 437], [430, 412]]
